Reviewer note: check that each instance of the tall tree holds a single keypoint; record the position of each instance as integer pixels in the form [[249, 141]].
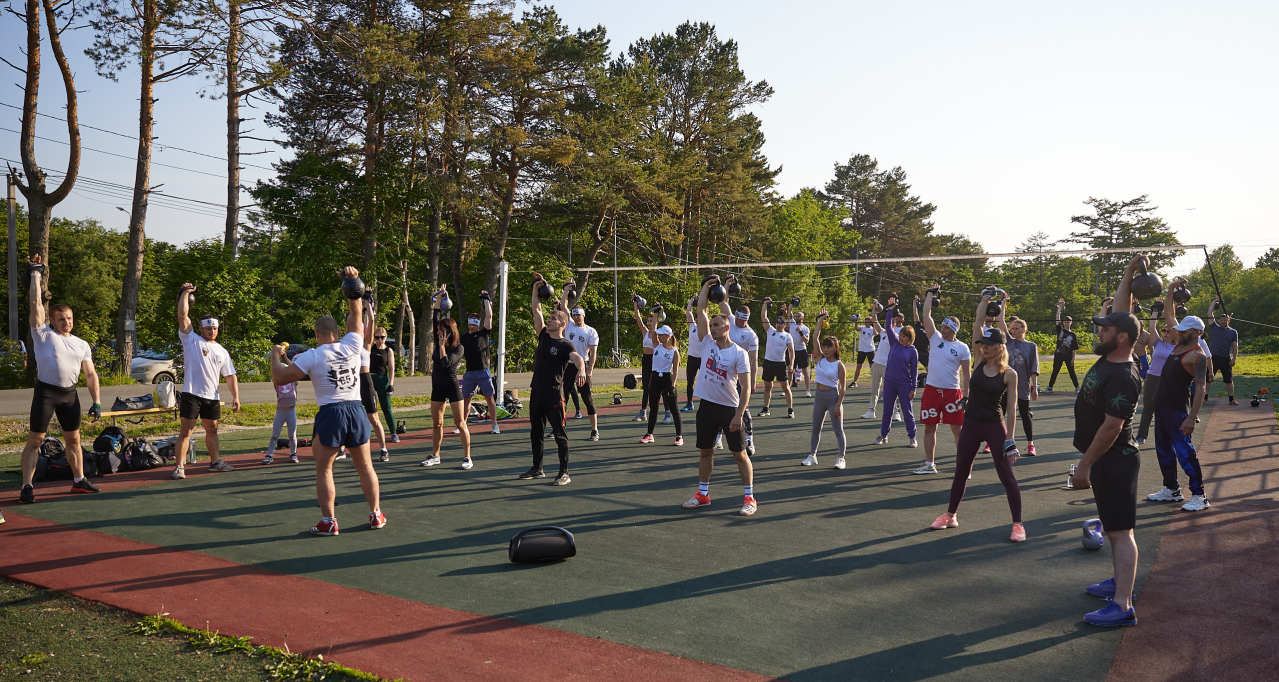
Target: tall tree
[[1114, 224], [1270, 259]]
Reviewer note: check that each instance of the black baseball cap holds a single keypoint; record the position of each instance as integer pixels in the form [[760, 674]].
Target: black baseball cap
[[991, 336], [1122, 321]]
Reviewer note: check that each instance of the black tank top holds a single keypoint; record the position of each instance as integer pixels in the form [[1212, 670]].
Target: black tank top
[[1174, 384], [985, 397], [379, 360]]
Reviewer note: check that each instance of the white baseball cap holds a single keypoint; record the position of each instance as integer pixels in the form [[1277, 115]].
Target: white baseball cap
[[665, 329], [1190, 322]]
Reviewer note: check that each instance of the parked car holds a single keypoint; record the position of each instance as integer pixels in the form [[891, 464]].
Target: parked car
[[152, 367]]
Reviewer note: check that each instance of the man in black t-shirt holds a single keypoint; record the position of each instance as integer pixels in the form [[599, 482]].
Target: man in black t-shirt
[[475, 350], [546, 395], [1103, 433], [1067, 344]]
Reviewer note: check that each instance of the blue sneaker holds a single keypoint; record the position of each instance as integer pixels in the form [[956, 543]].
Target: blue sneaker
[[1104, 589], [1111, 616]]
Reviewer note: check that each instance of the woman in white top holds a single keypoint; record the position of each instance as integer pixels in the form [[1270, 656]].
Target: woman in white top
[[662, 383], [648, 336], [1159, 347], [830, 376]]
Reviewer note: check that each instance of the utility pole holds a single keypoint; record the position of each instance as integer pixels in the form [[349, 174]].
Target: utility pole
[[13, 256], [615, 339]]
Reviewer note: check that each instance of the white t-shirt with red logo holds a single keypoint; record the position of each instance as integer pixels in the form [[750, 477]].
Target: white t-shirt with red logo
[[717, 379]]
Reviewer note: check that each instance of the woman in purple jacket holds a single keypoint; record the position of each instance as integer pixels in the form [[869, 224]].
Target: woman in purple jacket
[[899, 379]]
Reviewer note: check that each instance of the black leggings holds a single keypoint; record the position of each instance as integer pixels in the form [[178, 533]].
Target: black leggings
[[571, 389], [646, 376], [663, 390], [547, 410], [1023, 406], [970, 437], [1069, 362], [690, 376]]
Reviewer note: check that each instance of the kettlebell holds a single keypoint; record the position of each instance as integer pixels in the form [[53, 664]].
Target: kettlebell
[[1093, 539], [936, 292], [36, 267], [1255, 402], [445, 302], [659, 311], [1181, 294], [1146, 285], [484, 296], [1181, 311], [717, 293], [546, 291], [639, 301], [353, 288], [1157, 308], [855, 318], [993, 309], [734, 288], [794, 302], [617, 398], [571, 293]]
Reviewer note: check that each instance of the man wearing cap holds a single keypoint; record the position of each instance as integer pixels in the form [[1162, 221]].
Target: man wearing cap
[[1177, 408], [1104, 408], [948, 372], [204, 362], [1223, 341], [586, 342], [1067, 344], [475, 351]]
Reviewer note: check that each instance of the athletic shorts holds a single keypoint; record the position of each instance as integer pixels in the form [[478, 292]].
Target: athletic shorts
[[775, 370], [447, 391], [801, 358], [343, 423], [191, 406], [368, 395], [48, 400], [477, 380], [865, 356], [1114, 486], [941, 406], [712, 420], [1221, 363]]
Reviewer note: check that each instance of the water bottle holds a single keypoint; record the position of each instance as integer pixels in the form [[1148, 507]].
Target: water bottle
[[192, 453], [1070, 477]]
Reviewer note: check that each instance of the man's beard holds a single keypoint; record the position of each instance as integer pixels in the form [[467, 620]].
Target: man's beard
[[1185, 338], [1103, 348]]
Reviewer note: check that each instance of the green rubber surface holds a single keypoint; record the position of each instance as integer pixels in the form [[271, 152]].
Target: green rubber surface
[[836, 577]]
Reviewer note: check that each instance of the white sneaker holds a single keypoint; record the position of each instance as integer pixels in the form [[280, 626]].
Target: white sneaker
[[383, 455], [870, 414], [809, 460], [808, 394], [1165, 495], [881, 440], [1196, 503], [719, 442], [928, 468], [430, 461], [914, 443], [841, 464], [467, 464], [897, 416], [642, 416], [496, 430]]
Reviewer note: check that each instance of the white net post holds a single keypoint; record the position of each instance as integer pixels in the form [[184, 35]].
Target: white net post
[[503, 270]]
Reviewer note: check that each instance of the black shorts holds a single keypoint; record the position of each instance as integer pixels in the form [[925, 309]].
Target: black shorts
[[445, 391], [801, 358], [712, 420], [48, 400], [1114, 486], [1221, 363], [775, 370], [368, 394], [191, 406], [865, 356]]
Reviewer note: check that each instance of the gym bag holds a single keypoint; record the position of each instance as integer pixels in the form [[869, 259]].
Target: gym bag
[[51, 463], [541, 545], [110, 440], [141, 456], [142, 402], [165, 394]]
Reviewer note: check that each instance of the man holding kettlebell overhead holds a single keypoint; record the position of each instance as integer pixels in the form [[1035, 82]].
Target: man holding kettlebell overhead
[[1223, 341], [741, 334], [800, 334], [475, 351], [204, 361], [648, 341], [1067, 344], [546, 396]]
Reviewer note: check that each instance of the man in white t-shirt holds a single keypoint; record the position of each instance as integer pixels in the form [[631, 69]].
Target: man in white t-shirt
[[204, 363], [879, 363], [741, 334], [723, 390], [60, 358], [586, 342], [949, 361], [334, 369], [865, 345], [799, 335], [779, 360]]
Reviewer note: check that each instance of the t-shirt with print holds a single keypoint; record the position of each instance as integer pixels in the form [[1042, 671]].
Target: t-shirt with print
[[334, 369], [775, 345], [717, 379], [945, 360], [552, 357], [582, 337], [799, 333], [204, 364], [866, 339], [1067, 342], [286, 396], [58, 358], [1109, 388], [1023, 356]]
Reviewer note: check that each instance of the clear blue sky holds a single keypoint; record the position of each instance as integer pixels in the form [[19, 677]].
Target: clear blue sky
[[1006, 115]]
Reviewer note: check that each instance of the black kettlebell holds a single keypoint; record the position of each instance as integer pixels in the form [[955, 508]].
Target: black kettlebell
[[484, 296], [936, 292], [617, 398], [1157, 308], [1255, 402], [1146, 285], [1181, 294], [353, 288], [993, 309], [546, 291], [36, 267], [717, 293], [639, 301], [734, 287], [659, 311], [855, 318], [1136, 309], [571, 293], [1181, 311]]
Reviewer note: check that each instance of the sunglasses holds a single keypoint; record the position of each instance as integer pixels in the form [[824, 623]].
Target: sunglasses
[[379, 337]]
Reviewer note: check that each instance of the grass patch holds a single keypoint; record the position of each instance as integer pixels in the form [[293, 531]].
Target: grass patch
[[46, 635]]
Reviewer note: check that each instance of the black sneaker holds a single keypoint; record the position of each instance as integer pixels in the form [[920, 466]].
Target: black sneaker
[[533, 473], [790, 413], [27, 495], [763, 412], [595, 435], [84, 486]]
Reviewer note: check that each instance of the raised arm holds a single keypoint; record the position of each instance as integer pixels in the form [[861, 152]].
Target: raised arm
[[929, 327], [367, 315], [639, 318], [979, 315], [875, 309], [535, 304], [354, 306], [690, 312], [763, 311], [888, 324], [704, 322], [726, 305], [1123, 295], [1000, 319], [282, 373], [564, 293], [184, 307], [35, 298], [1061, 303], [486, 320], [815, 339], [1153, 325], [1212, 306]]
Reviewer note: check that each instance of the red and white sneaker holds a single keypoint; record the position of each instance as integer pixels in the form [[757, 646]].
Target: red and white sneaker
[[697, 500], [377, 520], [945, 521], [325, 527], [648, 438], [1030, 450], [679, 440], [748, 506]]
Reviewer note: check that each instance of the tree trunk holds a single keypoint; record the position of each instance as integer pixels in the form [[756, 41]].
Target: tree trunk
[[461, 242], [504, 222], [598, 238], [125, 323], [231, 238]]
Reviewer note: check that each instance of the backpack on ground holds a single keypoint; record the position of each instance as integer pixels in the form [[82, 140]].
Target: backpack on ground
[[89, 463], [51, 463], [111, 440], [141, 455]]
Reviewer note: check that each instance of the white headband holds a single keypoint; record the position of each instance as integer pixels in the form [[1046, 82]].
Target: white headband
[[579, 311], [209, 322], [743, 316], [954, 326], [473, 320]]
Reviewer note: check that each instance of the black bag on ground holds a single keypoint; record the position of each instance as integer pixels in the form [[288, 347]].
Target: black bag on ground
[[141, 402], [141, 456], [110, 440], [90, 463], [51, 462], [542, 544]]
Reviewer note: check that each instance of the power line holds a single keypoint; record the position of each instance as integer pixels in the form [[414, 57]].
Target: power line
[[107, 183]]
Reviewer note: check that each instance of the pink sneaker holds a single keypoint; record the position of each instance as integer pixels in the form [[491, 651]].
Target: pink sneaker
[[1018, 534], [325, 527], [679, 440], [377, 519], [986, 450], [1030, 450], [648, 438], [945, 521]]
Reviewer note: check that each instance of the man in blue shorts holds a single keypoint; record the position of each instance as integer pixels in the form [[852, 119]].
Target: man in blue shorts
[[475, 350]]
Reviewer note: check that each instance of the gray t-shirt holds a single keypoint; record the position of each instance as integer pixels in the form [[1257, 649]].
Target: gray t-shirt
[[1221, 339], [1023, 356]]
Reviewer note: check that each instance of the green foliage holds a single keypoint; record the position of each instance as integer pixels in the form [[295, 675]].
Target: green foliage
[[1131, 222], [1259, 344], [1270, 259]]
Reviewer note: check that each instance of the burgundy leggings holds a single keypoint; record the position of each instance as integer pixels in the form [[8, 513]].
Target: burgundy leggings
[[971, 437]]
